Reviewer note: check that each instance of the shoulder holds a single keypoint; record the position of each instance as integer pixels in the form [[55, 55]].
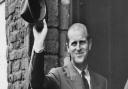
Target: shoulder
[[61, 71], [58, 71], [98, 79], [99, 76]]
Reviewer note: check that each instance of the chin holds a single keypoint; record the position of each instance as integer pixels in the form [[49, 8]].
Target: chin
[[79, 60]]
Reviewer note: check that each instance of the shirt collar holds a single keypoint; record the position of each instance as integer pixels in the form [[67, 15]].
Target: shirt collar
[[87, 74], [85, 70]]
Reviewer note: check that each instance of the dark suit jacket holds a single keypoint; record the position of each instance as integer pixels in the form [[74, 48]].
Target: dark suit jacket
[[58, 78]]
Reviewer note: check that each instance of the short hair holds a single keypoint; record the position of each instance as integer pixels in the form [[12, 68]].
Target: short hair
[[76, 26]]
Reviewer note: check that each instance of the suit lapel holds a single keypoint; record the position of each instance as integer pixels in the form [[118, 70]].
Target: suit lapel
[[74, 78], [93, 81]]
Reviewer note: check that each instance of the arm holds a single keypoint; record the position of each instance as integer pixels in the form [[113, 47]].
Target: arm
[[36, 77], [36, 72], [36, 67]]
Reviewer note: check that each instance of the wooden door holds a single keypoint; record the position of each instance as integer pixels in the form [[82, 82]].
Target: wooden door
[[107, 21]]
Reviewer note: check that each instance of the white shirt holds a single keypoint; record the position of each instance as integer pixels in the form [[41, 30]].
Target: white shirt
[[87, 75]]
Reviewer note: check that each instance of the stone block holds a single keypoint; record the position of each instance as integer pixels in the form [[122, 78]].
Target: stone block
[[9, 68], [17, 54], [52, 47], [63, 47], [16, 45], [50, 62], [16, 65], [13, 36], [9, 21], [6, 10], [64, 14], [52, 34], [10, 86], [52, 12], [11, 6], [7, 53], [24, 74], [13, 26], [11, 9], [17, 76], [17, 85], [24, 63], [24, 85], [10, 78]]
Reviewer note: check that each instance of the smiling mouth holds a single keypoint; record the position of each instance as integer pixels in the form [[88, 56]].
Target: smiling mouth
[[80, 54]]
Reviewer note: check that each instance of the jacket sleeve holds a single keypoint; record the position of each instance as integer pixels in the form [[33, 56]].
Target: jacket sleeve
[[36, 76]]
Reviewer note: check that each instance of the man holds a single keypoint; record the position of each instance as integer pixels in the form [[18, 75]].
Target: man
[[74, 75]]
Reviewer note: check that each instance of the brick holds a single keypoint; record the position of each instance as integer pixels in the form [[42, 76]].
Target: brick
[[11, 6], [13, 26], [16, 45], [17, 36], [6, 10], [9, 68], [7, 53], [19, 24], [11, 9], [10, 78], [26, 41], [65, 2], [52, 47], [9, 21], [24, 74], [22, 33], [24, 85], [50, 62], [16, 16], [16, 65], [63, 47], [24, 63], [17, 85], [17, 54], [10, 86], [64, 14], [52, 34], [52, 12], [17, 76], [10, 1], [13, 36]]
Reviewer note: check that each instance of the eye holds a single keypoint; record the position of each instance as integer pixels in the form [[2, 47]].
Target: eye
[[74, 43], [82, 42]]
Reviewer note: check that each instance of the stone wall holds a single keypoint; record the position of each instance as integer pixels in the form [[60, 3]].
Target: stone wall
[[20, 40]]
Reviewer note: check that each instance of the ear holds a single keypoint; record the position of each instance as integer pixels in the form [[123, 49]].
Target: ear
[[67, 47], [90, 44]]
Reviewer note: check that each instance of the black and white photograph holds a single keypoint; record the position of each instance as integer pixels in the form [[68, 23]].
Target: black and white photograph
[[64, 44]]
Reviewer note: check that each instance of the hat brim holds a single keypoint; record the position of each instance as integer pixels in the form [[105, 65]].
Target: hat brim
[[34, 11]]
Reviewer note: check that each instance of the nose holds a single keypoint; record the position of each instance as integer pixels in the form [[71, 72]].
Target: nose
[[78, 46]]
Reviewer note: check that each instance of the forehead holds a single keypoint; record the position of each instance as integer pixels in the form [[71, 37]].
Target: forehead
[[77, 31], [77, 35]]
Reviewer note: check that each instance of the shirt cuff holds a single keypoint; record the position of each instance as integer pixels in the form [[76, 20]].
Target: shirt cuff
[[38, 50]]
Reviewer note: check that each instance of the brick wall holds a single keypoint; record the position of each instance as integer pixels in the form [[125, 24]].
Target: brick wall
[[20, 40]]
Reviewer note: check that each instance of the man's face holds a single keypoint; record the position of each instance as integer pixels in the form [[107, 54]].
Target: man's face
[[78, 46]]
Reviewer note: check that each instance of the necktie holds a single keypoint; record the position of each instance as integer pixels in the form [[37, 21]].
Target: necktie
[[85, 80]]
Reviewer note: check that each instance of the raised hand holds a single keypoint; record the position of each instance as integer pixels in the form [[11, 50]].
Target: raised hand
[[39, 37]]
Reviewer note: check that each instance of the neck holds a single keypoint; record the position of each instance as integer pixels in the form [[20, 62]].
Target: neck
[[80, 66]]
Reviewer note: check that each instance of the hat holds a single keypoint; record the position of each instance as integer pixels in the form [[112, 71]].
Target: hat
[[34, 11]]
